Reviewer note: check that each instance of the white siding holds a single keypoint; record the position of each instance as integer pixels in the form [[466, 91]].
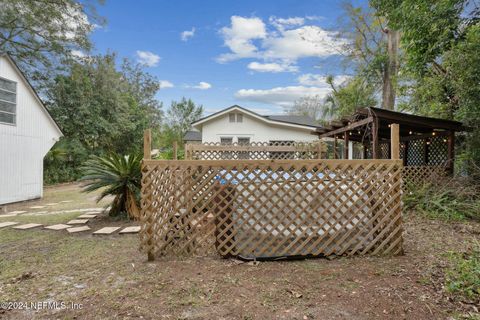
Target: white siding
[[257, 130], [23, 146]]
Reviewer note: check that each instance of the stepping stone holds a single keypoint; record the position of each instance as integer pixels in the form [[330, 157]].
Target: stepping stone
[[133, 229], [107, 230], [93, 212], [52, 204], [77, 221], [8, 215], [7, 224], [87, 216], [17, 212], [66, 201], [27, 226], [58, 226], [78, 229], [37, 207]]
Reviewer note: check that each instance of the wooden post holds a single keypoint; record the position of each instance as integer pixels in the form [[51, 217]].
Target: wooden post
[[451, 152], [319, 149], [147, 144], [395, 141], [335, 147], [364, 151], [375, 138], [345, 148], [175, 147], [147, 154]]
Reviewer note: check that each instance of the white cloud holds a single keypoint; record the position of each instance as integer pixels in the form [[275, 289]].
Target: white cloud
[[147, 58], [307, 41], [239, 37], [187, 34], [310, 79], [272, 67], [285, 23], [164, 84], [78, 54], [289, 40], [281, 96], [201, 86]]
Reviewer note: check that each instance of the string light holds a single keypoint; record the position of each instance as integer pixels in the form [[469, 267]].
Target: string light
[[445, 140], [410, 132], [433, 133]]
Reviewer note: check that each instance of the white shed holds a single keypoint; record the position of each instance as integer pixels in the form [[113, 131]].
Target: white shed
[[27, 132]]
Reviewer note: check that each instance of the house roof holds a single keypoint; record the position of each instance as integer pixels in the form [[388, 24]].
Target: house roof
[[32, 89], [192, 136], [301, 122]]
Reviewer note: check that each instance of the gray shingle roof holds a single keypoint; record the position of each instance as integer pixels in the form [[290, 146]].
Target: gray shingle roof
[[192, 136], [302, 120]]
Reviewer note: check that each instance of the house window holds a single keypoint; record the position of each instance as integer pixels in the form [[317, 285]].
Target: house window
[[8, 101], [235, 117], [244, 141], [226, 140]]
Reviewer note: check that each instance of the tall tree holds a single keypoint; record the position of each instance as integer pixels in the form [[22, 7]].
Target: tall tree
[[40, 34], [102, 108], [310, 106], [373, 48], [348, 97], [180, 116]]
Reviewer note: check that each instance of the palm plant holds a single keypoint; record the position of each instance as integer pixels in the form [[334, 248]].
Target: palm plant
[[118, 176]]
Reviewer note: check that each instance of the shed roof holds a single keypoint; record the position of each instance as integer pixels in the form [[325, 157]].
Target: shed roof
[[409, 124]]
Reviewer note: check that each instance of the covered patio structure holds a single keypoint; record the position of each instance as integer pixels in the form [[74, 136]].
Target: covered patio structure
[[423, 141]]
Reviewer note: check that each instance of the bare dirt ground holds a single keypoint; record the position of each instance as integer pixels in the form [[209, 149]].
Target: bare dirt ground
[[107, 277]]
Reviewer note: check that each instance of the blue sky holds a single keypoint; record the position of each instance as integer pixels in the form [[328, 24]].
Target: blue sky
[[262, 55]]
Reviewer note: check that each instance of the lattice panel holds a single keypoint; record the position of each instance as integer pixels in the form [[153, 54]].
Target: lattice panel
[[437, 151], [416, 176], [256, 151], [268, 209], [384, 150]]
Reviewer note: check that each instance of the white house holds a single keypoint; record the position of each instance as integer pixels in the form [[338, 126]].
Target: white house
[[27, 132], [239, 125]]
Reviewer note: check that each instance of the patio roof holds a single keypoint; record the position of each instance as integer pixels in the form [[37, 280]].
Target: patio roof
[[410, 125]]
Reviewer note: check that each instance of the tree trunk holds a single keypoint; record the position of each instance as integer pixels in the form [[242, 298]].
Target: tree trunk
[[391, 70], [132, 207]]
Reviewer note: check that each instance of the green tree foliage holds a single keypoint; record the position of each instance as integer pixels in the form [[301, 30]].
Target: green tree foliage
[[348, 97], [178, 120], [118, 176], [309, 106], [40, 35], [100, 109], [440, 41]]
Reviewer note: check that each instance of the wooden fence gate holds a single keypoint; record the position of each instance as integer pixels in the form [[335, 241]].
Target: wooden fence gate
[[271, 208]]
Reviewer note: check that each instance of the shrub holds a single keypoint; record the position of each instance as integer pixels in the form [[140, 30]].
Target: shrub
[[463, 276], [116, 175], [447, 199]]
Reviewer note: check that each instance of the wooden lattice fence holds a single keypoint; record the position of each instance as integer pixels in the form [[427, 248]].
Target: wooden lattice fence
[[268, 209], [417, 176], [256, 151]]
